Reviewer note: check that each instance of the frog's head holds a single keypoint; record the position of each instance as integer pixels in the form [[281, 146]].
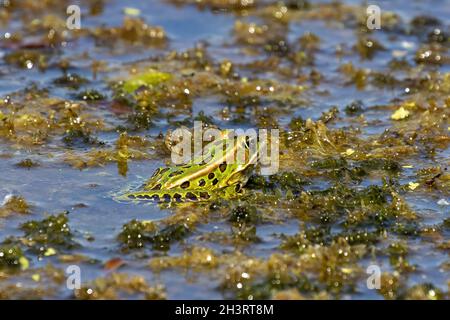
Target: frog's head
[[245, 152]]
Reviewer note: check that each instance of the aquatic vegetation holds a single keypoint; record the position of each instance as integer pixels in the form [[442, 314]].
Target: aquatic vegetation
[[14, 205], [218, 4], [133, 30], [90, 95], [118, 285], [27, 59], [12, 257], [137, 234], [150, 78], [42, 236], [367, 47], [70, 80], [27, 163], [354, 108], [197, 258], [126, 148]]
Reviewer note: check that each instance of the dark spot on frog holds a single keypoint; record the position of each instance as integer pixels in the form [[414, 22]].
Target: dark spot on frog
[[185, 185], [191, 196], [177, 197], [211, 175], [131, 196], [204, 195], [164, 170], [166, 197], [223, 167], [156, 172], [237, 188], [175, 173], [201, 183], [157, 187], [215, 181]]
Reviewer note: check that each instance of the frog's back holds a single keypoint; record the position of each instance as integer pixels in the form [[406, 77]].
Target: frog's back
[[191, 176]]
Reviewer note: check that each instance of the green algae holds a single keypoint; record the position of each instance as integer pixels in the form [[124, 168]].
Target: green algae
[[53, 231], [26, 59], [11, 257], [27, 163], [71, 81], [90, 95], [150, 78], [14, 205], [137, 234], [117, 285]]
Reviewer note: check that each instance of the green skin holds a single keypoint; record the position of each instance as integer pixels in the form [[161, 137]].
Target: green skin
[[198, 182]]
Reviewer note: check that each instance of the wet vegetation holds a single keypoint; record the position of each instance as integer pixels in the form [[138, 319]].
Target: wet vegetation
[[364, 173]]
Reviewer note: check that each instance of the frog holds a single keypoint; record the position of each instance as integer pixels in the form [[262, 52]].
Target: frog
[[198, 182]]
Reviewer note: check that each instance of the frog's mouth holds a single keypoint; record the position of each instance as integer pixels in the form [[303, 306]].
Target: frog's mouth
[[122, 194]]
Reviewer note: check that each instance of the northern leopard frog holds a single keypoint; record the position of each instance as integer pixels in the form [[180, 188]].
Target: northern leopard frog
[[201, 182]]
